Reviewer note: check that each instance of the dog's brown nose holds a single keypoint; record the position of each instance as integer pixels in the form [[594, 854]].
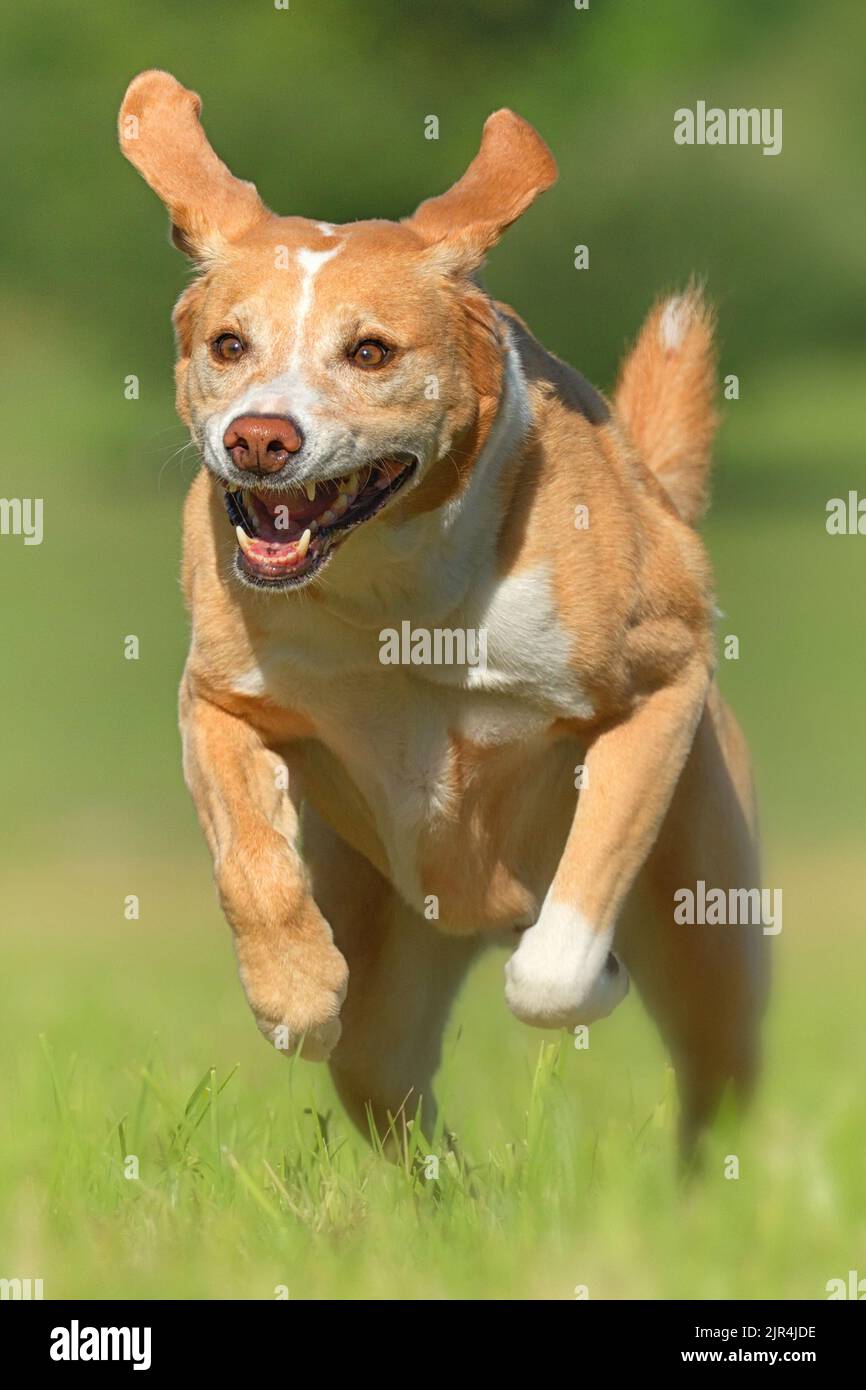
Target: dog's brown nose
[[262, 443]]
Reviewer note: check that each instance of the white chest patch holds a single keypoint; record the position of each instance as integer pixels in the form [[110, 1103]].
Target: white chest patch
[[529, 652]]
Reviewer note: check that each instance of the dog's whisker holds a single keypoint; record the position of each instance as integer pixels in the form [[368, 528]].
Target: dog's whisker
[[176, 457]]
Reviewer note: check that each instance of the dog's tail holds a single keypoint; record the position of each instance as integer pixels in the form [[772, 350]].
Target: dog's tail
[[665, 397]]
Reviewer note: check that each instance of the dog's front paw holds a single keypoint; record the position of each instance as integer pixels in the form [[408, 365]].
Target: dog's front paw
[[296, 989], [563, 973]]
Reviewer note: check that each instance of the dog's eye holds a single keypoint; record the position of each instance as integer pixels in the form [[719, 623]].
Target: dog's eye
[[370, 353], [227, 347]]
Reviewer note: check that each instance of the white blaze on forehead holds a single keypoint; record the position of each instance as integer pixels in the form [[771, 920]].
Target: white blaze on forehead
[[288, 392], [310, 263]]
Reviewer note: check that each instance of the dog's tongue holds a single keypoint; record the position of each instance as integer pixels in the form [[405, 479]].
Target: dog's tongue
[[283, 519]]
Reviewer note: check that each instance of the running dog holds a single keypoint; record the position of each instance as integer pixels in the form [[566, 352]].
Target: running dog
[[387, 450]]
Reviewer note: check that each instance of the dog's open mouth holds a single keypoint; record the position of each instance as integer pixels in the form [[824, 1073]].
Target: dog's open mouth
[[285, 537]]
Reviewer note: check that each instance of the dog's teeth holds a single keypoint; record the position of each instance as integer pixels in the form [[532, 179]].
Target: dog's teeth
[[243, 539], [314, 526], [328, 518], [310, 490], [341, 505], [303, 544], [352, 483], [232, 487]]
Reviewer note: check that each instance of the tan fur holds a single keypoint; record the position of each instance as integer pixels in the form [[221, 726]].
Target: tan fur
[[665, 397], [340, 797], [160, 134], [510, 169]]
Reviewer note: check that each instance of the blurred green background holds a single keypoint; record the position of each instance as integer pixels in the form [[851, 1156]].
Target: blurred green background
[[323, 106]]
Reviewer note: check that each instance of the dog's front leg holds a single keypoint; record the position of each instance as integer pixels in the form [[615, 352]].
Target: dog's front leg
[[294, 977], [563, 972]]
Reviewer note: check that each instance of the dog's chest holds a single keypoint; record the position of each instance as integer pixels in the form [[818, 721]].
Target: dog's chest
[[437, 737]]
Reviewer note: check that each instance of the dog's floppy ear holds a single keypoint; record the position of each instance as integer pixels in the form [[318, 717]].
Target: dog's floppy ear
[[510, 169], [160, 134]]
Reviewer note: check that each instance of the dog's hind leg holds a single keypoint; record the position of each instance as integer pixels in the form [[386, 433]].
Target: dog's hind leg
[[704, 984], [403, 975]]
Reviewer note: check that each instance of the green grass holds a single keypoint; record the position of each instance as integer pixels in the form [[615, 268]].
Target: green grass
[[132, 1038]]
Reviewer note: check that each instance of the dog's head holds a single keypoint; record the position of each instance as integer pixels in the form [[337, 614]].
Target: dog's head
[[324, 370]]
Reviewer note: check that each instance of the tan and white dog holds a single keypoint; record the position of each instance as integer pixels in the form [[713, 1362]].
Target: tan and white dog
[[386, 450]]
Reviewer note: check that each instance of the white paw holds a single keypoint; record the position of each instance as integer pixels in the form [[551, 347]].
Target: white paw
[[563, 973]]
